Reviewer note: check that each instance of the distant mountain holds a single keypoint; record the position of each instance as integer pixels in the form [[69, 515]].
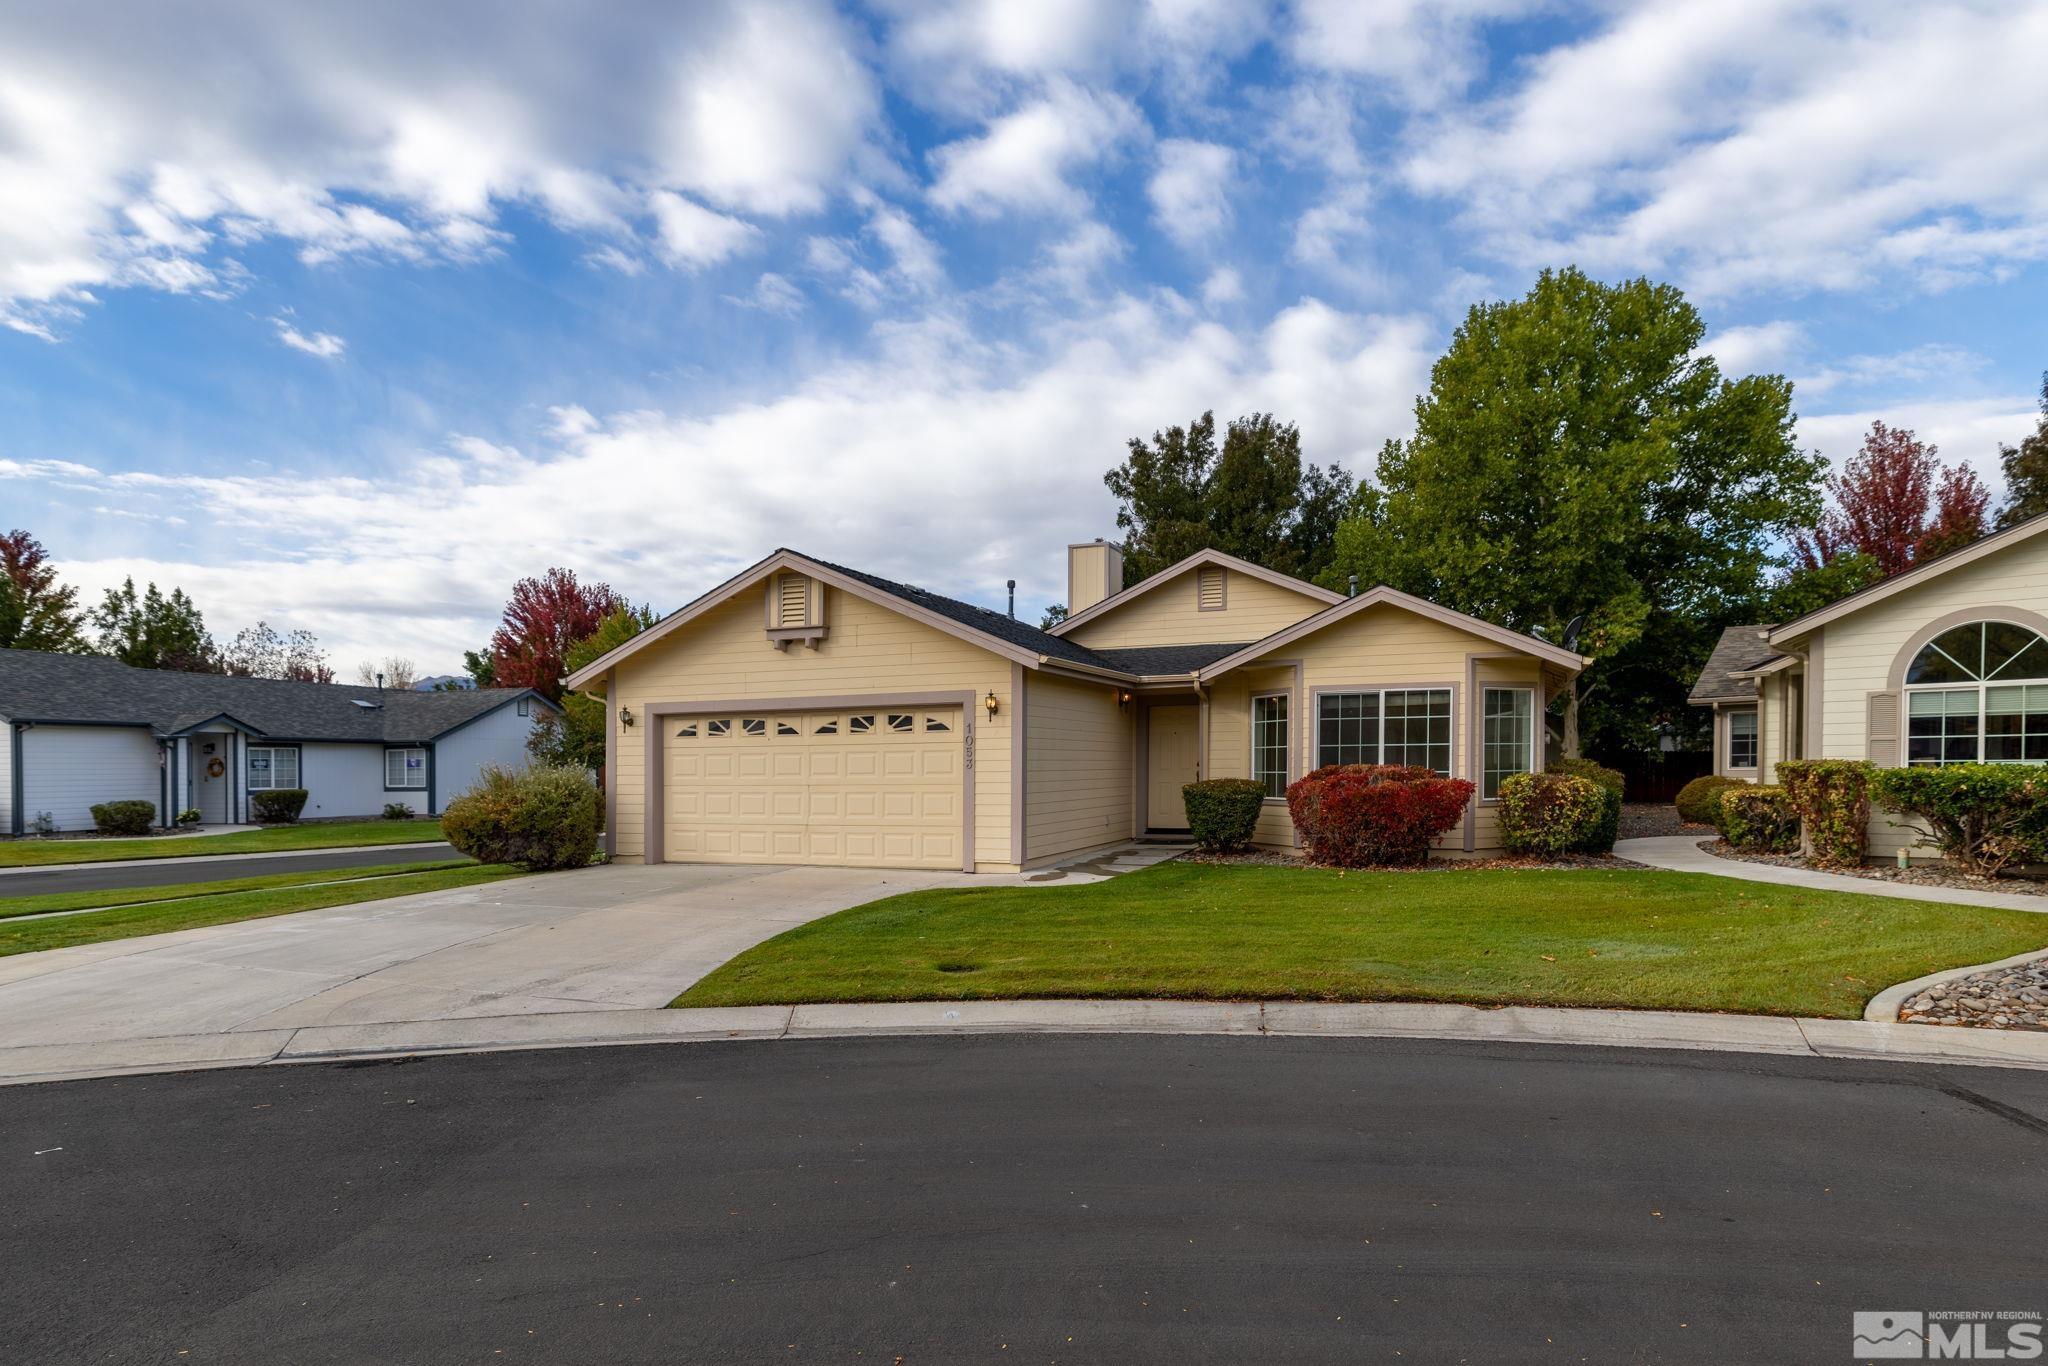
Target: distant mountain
[[442, 682]]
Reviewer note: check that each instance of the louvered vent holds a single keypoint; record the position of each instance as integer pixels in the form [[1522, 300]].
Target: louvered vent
[[792, 600], [1209, 588]]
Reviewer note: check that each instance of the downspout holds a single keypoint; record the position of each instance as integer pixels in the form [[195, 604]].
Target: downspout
[[1201, 727]]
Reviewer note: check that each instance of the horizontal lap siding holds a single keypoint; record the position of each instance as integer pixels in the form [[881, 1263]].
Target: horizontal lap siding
[[498, 738], [725, 654], [1077, 747], [1230, 742], [1168, 615], [68, 770], [348, 780], [6, 776]]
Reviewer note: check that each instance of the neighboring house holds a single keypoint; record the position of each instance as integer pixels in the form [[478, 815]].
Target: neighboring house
[[804, 712], [77, 730], [1943, 663]]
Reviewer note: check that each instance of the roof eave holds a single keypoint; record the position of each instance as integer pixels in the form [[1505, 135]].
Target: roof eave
[[1178, 567]]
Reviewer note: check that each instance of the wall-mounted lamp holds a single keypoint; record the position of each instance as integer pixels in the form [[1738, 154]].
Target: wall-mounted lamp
[[1123, 700], [625, 716], [990, 703]]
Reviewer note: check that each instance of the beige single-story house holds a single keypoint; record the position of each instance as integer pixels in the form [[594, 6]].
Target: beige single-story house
[[1944, 663], [805, 712]]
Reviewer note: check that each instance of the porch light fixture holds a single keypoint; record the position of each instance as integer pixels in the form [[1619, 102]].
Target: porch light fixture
[[1123, 699], [990, 703], [625, 716]]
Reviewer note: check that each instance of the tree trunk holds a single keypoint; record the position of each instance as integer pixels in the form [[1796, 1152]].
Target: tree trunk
[[1570, 740]]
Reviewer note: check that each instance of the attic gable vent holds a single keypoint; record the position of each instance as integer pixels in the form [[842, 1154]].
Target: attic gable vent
[[792, 600], [796, 610], [1209, 591]]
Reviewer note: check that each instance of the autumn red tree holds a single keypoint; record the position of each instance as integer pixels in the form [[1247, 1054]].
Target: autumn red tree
[[544, 618], [1895, 503], [36, 612]]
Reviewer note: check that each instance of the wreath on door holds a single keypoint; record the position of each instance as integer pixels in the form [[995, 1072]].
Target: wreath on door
[[215, 768]]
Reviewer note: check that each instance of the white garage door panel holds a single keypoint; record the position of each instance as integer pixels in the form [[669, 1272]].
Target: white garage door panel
[[814, 788]]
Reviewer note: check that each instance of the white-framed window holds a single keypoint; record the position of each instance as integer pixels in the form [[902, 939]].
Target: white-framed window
[[1385, 726], [1978, 693], [405, 769], [1742, 739], [1507, 736], [273, 768], [1269, 742]]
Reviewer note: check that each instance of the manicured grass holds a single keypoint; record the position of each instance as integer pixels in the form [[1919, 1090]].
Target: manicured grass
[[173, 891], [1597, 938], [161, 917], [24, 853]]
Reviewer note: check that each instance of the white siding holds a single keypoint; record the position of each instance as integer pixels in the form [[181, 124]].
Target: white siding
[[499, 738], [6, 776], [348, 780], [67, 770]]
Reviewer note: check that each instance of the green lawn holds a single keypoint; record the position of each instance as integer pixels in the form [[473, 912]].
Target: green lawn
[[173, 891], [29, 852], [161, 917], [1595, 938]]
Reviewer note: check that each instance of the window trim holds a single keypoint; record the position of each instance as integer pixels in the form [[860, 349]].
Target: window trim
[[1728, 764], [298, 768], [1535, 736], [1287, 765], [1314, 719], [426, 754]]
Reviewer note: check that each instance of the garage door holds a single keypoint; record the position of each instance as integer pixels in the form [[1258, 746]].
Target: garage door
[[876, 788]]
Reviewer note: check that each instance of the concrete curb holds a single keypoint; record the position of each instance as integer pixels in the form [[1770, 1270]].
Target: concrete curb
[[1885, 1006], [1250, 1019]]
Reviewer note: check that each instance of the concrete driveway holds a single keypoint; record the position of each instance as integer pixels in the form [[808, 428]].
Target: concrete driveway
[[619, 937]]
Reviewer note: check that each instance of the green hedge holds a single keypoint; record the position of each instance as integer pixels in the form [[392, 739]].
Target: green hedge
[[1699, 801], [1982, 817], [124, 818], [1759, 820], [1550, 813], [1600, 839], [279, 806], [1832, 797], [1223, 812], [539, 818]]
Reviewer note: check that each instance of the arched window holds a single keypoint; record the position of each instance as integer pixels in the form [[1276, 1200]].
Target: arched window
[[1979, 692]]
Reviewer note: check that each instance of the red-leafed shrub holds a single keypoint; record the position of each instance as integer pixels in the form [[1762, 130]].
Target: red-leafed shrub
[[1374, 815]]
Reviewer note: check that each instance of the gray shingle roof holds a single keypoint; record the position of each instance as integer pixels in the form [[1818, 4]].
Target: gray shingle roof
[[1740, 647], [35, 686], [1167, 659], [997, 624]]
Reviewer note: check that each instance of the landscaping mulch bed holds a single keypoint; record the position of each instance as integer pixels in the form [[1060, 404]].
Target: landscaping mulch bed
[[1568, 863], [2004, 998], [1645, 820], [1920, 875]]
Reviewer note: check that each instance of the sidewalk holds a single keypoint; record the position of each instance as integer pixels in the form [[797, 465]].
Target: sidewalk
[[1682, 854], [1252, 1019], [179, 862]]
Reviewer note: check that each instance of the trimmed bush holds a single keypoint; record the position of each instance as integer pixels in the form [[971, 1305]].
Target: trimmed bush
[[1600, 839], [279, 806], [397, 811], [1548, 814], [1982, 817], [539, 818], [1374, 815], [1222, 812], [124, 818], [1832, 798], [1699, 801], [1759, 820]]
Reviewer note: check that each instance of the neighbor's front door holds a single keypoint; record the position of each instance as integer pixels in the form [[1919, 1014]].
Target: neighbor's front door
[[1171, 762]]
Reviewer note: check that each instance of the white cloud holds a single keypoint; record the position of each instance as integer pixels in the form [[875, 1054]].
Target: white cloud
[[1190, 190], [1224, 286], [425, 574], [771, 293], [1969, 430], [1930, 363], [325, 345], [1423, 50], [1022, 162], [692, 236], [1756, 348]]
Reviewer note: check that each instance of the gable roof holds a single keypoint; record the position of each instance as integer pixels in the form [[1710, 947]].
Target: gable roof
[[1175, 570], [1911, 578], [994, 631], [1345, 607], [1740, 648], [89, 689]]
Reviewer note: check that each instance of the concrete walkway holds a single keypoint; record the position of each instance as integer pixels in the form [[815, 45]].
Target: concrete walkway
[[1682, 854]]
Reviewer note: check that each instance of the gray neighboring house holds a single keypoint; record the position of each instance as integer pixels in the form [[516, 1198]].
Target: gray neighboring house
[[76, 730]]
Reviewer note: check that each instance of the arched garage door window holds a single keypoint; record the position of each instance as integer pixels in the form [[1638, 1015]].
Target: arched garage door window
[[1979, 692]]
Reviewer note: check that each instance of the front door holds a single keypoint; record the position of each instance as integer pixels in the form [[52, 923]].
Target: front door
[[1172, 761]]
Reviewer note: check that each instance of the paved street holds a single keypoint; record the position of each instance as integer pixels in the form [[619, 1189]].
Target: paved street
[[92, 877], [1016, 1199]]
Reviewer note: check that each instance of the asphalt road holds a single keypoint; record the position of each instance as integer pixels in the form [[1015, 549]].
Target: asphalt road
[[1016, 1199], [163, 872]]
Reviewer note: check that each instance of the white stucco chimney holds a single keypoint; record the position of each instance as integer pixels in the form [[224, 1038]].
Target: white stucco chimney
[[1095, 570]]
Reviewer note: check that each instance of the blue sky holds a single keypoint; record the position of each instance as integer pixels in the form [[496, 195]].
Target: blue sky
[[345, 317]]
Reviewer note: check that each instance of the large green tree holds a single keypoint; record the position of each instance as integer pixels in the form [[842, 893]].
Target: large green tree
[[2026, 471], [154, 630], [577, 736], [36, 612], [1252, 497], [1582, 471]]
